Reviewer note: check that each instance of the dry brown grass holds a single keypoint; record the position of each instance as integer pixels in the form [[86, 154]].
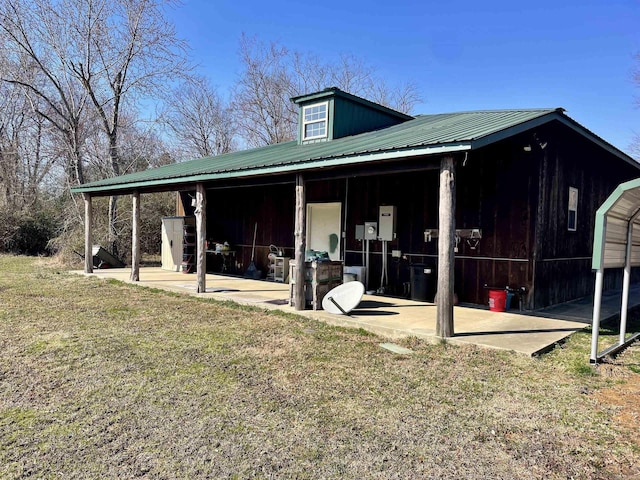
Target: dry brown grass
[[104, 380]]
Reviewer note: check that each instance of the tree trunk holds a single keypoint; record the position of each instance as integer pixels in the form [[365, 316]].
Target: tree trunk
[[299, 232], [201, 237], [135, 238], [88, 242], [113, 232], [446, 243], [114, 156]]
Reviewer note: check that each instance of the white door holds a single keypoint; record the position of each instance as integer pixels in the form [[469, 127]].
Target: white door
[[172, 243], [324, 227]]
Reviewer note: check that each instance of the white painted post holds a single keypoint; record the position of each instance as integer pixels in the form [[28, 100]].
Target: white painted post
[[135, 238], [201, 237], [626, 281], [88, 241], [366, 265], [595, 325], [446, 242]]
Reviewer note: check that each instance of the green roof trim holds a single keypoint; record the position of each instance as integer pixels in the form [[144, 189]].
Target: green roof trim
[[423, 135], [622, 209]]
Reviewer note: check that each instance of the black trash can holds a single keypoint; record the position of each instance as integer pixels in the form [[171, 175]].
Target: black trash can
[[421, 288]]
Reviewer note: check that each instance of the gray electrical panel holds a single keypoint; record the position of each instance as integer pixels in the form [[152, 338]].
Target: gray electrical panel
[[387, 223]]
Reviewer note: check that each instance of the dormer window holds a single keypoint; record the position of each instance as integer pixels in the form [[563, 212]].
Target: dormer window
[[314, 121], [331, 114]]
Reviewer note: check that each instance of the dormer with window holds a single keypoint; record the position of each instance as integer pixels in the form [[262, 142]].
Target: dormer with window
[[332, 113]]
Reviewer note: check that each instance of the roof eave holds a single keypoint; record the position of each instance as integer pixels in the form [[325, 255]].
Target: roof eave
[[315, 164], [515, 129], [557, 114]]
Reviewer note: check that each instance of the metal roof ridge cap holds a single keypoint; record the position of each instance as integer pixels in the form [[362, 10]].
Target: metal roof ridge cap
[[497, 110]]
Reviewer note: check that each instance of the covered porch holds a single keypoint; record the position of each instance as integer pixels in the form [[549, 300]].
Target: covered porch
[[389, 317]]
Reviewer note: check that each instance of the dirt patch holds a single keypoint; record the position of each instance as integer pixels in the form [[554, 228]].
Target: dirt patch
[[623, 399]]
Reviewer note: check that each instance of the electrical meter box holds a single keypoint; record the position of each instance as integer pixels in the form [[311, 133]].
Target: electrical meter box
[[387, 223], [370, 231]]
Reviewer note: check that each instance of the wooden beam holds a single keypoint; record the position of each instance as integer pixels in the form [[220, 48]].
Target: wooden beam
[[88, 241], [201, 237], [135, 238], [446, 244], [299, 237]]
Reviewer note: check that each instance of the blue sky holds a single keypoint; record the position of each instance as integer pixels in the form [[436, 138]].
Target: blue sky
[[463, 55]]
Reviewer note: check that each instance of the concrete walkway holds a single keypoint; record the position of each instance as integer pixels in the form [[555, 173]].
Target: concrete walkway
[[527, 333]]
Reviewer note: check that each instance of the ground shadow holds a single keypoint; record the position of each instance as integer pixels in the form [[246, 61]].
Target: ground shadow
[[507, 332], [277, 301], [372, 313]]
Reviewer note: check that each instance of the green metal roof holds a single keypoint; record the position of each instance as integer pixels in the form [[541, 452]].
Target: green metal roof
[[424, 135]]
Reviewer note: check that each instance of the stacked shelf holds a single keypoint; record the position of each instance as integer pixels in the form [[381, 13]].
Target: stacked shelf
[[189, 250], [281, 269]]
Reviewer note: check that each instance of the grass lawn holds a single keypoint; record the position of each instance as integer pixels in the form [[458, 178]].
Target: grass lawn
[[100, 379]]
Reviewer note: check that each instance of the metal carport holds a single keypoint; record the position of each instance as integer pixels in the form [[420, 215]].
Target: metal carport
[[616, 244]]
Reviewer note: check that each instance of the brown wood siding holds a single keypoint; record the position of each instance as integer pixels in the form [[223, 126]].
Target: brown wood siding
[[563, 257], [490, 196], [497, 189], [518, 199], [234, 212]]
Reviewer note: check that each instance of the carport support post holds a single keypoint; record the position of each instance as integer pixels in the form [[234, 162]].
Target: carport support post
[[446, 242], [201, 237], [597, 304], [299, 234], [626, 280], [88, 241], [135, 238]]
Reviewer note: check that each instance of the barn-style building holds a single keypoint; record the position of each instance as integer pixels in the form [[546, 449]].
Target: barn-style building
[[365, 184]]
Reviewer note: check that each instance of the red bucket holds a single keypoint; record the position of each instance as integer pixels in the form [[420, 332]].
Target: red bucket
[[497, 300]]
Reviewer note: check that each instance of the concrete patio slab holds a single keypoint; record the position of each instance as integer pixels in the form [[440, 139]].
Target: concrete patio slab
[[392, 318]]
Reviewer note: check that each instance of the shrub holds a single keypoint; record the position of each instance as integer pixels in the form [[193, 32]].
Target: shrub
[[27, 233]]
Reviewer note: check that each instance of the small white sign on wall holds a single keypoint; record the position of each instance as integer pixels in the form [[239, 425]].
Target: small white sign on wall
[[572, 217]]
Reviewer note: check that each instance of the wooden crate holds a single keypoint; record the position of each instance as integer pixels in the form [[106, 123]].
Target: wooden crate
[[320, 277]]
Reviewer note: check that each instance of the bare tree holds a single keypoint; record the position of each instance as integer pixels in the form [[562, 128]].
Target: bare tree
[[28, 148], [126, 49], [272, 75], [402, 98], [200, 120], [104, 53], [37, 49], [261, 98]]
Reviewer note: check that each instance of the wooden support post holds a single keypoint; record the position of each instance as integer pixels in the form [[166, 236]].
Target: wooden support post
[[299, 234], [201, 237], [88, 241], [135, 238], [446, 244]]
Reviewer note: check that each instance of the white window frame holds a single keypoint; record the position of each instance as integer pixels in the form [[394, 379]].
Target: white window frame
[[572, 207], [311, 122]]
